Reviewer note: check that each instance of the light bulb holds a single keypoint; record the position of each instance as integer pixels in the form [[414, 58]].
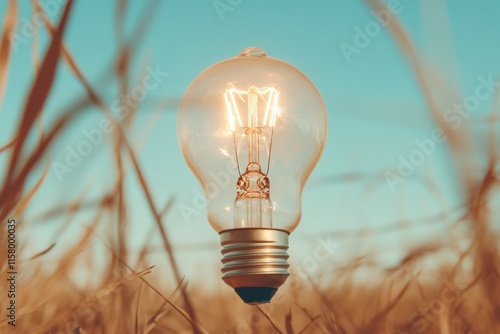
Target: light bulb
[[252, 128]]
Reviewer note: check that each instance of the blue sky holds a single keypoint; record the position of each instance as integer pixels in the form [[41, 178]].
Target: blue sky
[[375, 107]]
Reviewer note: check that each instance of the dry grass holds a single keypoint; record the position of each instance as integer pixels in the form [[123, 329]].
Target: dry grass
[[463, 297]]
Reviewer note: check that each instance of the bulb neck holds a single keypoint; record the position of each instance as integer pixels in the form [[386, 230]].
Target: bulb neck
[[254, 262]]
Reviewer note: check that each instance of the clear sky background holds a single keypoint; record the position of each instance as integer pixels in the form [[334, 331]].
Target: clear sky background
[[376, 111]]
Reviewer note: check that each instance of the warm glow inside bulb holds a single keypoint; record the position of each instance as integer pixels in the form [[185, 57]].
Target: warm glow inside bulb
[[252, 128]]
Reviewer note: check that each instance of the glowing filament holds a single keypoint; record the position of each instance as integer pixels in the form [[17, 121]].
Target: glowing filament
[[269, 94], [259, 108]]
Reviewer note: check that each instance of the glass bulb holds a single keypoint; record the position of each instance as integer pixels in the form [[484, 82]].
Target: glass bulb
[[252, 128]]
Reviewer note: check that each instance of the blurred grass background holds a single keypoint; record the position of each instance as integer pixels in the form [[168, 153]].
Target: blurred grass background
[[88, 263]]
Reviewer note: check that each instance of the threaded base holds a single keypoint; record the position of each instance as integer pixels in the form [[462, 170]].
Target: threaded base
[[254, 260]]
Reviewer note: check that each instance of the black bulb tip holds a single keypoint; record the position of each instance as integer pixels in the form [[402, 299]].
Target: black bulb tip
[[256, 294]]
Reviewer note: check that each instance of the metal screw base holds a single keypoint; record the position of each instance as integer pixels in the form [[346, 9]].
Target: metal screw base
[[254, 262]]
